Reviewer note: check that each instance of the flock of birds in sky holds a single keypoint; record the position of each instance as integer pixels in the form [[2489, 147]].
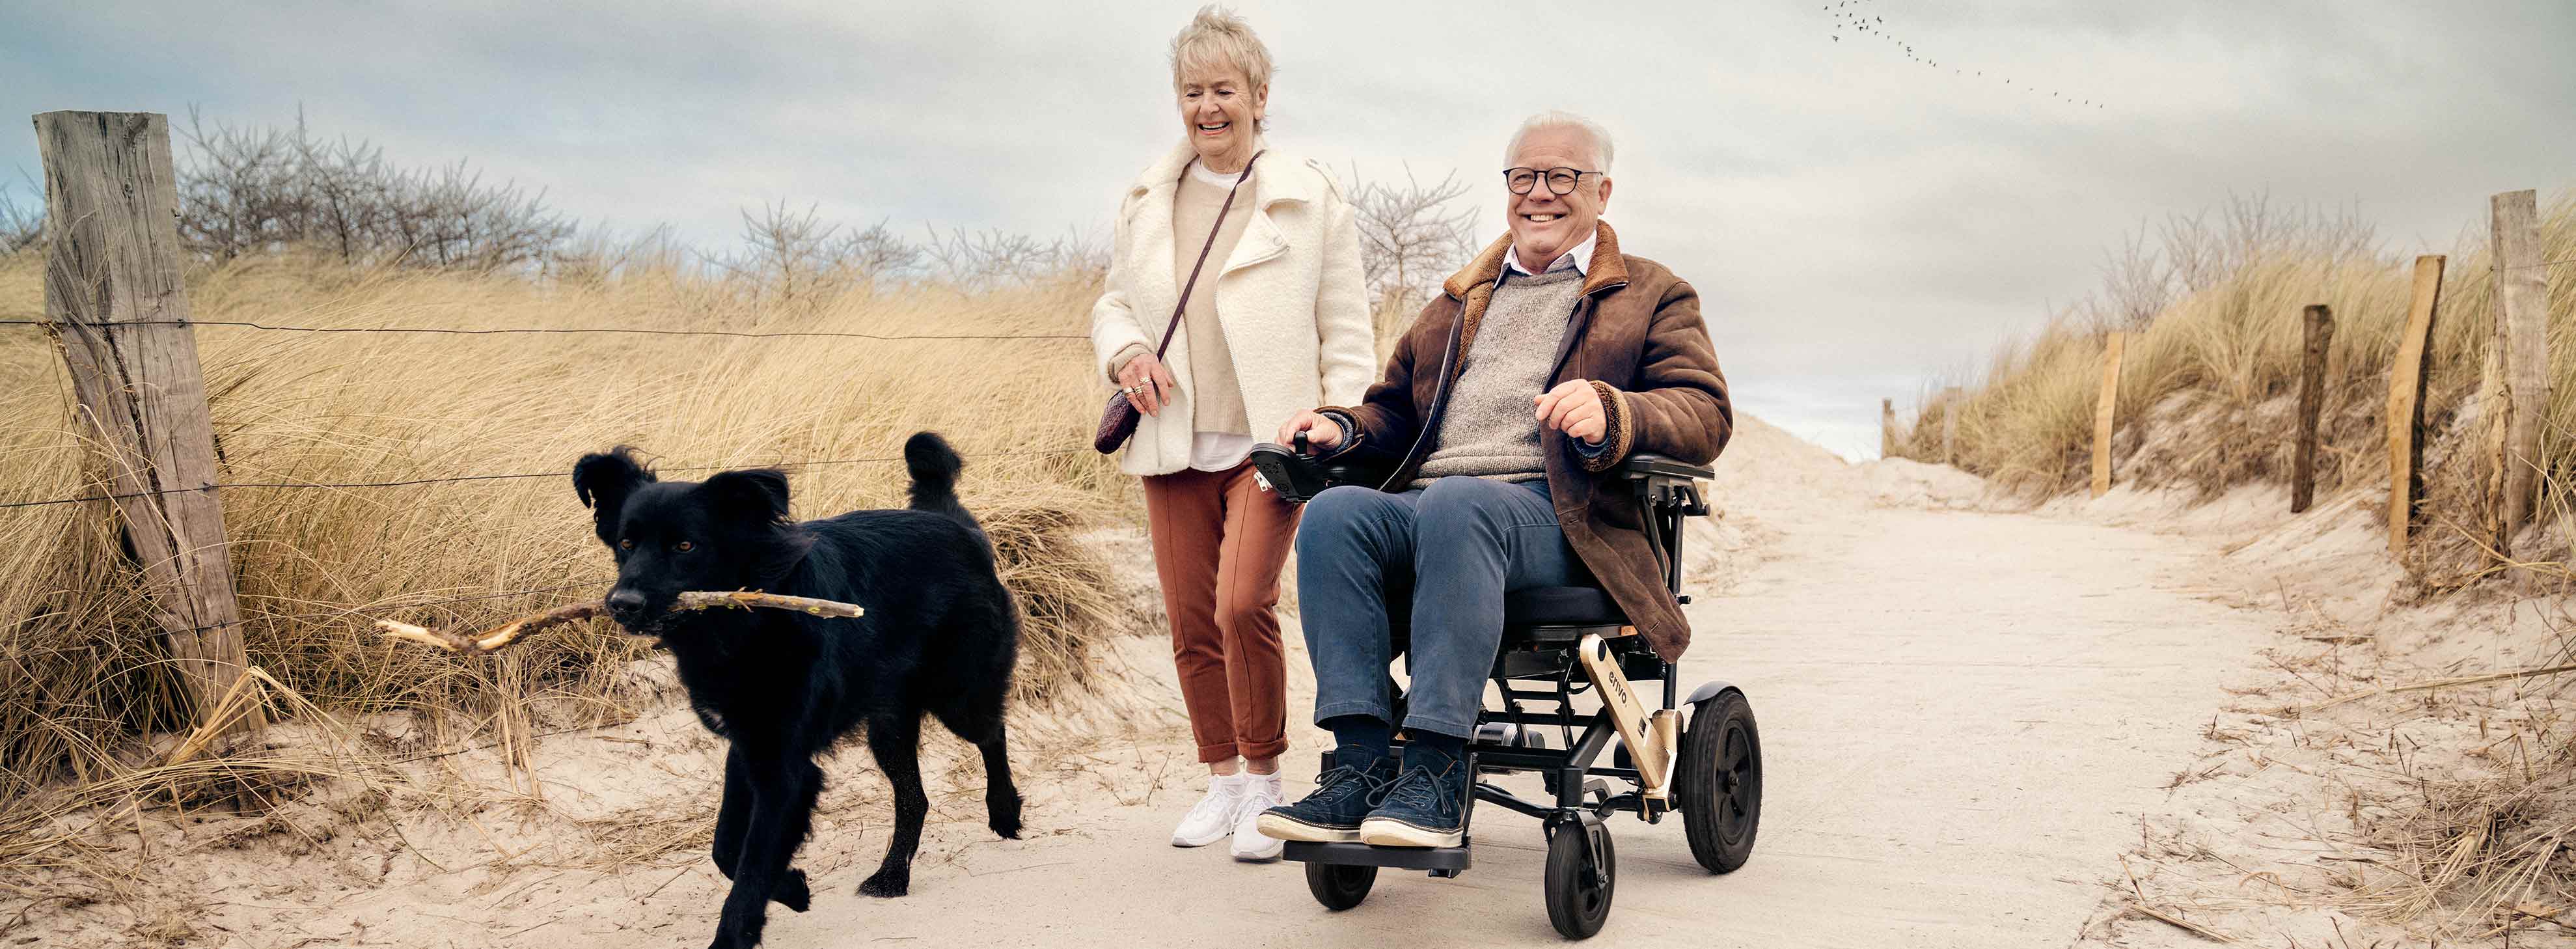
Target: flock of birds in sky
[[1853, 18]]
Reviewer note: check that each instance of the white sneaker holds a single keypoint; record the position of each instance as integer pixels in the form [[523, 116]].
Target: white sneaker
[[1213, 817], [1261, 792]]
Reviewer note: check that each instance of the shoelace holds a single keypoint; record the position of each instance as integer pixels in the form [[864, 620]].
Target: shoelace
[[1255, 802], [1330, 781], [1214, 804], [1418, 788]]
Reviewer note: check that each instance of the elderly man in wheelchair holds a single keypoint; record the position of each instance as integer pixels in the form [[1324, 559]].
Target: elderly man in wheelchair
[[1506, 506]]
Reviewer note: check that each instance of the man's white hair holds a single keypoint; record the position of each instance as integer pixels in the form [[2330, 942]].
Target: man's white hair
[[1554, 119]]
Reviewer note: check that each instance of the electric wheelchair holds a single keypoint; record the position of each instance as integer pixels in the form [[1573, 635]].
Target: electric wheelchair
[[1561, 644]]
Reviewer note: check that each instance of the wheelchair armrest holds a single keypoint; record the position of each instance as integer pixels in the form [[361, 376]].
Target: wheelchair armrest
[[1667, 483], [1642, 465]]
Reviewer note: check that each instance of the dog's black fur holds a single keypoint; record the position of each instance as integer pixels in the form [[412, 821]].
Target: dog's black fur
[[939, 636]]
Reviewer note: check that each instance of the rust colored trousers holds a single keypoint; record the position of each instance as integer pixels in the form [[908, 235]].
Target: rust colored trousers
[[1219, 543]]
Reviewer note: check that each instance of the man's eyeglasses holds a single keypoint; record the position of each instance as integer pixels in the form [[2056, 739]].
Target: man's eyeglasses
[[1559, 180]]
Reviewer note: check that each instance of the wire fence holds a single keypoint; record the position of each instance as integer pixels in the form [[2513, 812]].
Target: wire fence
[[343, 612], [351, 485], [569, 330], [367, 609], [786, 465]]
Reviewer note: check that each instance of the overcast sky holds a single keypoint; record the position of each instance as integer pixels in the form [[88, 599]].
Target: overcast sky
[[1856, 222]]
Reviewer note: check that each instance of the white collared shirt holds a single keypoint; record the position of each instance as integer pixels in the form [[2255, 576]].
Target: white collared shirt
[[1579, 258]]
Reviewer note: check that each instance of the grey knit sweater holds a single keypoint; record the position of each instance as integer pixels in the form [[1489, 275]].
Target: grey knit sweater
[[1491, 427]]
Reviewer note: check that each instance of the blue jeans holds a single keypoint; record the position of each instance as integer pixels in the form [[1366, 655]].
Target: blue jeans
[[1453, 549]]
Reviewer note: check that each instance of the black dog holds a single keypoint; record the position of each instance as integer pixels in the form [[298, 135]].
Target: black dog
[[940, 636]]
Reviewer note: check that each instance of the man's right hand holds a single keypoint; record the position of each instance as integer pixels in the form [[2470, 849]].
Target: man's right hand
[[1321, 432]]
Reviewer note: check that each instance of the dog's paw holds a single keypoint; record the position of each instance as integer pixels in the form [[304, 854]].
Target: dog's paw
[[735, 937], [1006, 817], [791, 892], [887, 883], [745, 916]]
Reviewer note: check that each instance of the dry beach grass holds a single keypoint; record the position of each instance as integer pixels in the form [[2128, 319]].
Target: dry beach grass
[[81, 680], [2209, 378]]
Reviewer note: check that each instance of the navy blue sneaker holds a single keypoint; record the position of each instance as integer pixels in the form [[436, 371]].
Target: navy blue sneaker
[[1343, 795], [1426, 806]]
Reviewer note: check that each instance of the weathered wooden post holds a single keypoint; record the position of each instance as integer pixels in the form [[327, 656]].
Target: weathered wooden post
[[1887, 428], [2406, 401], [2516, 387], [2312, 400], [113, 294], [2106, 413]]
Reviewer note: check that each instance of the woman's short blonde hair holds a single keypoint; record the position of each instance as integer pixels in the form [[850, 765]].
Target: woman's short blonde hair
[[1217, 40]]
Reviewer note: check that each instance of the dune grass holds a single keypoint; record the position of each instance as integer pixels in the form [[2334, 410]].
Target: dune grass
[[81, 665], [2209, 382]]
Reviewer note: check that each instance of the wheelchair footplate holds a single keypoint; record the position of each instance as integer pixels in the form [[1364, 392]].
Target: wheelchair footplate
[[1441, 861]]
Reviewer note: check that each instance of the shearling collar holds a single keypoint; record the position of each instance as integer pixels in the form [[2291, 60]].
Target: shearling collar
[[1608, 269], [1274, 185]]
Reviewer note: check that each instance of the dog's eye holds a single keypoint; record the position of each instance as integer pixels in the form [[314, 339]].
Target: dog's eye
[[626, 544], [682, 546]]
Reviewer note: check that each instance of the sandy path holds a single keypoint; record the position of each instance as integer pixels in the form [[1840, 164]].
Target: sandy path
[[1963, 715]]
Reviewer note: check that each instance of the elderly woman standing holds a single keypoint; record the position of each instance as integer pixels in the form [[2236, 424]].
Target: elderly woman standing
[[1276, 320]]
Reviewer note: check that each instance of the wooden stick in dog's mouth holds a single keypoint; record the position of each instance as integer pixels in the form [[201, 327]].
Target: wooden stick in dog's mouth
[[498, 637]]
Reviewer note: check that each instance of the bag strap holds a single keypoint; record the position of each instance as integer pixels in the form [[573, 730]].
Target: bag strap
[[1203, 250]]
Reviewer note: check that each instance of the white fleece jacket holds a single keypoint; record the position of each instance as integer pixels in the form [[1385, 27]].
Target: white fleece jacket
[[1291, 298]]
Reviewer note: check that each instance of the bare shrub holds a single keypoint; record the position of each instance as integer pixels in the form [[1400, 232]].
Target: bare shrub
[[1411, 238], [261, 190], [2137, 283], [992, 258], [21, 225], [791, 256], [597, 258], [2153, 268]]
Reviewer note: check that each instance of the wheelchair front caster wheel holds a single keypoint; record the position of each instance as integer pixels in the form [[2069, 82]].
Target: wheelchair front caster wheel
[[1339, 887], [1581, 878]]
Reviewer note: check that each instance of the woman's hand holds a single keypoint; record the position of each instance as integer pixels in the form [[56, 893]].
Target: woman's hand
[[1321, 432], [1575, 409], [1148, 383]]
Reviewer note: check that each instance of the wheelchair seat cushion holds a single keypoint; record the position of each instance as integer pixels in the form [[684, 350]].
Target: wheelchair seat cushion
[[1560, 606]]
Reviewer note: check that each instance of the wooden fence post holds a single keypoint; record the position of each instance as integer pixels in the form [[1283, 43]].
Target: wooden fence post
[[2406, 400], [1887, 428], [2105, 413], [2312, 399], [1950, 399], [2517, 383], [110, 201]]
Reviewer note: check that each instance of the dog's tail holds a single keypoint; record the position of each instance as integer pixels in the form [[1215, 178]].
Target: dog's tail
[[934, 468]]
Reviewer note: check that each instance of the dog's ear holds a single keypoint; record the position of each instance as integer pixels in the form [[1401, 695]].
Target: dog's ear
[[758, 494], [603, 481]]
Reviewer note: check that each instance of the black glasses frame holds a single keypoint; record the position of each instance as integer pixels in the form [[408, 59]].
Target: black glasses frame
[[1546, 174]]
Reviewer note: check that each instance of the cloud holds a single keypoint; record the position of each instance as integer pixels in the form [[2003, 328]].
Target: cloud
[[1856, 222]]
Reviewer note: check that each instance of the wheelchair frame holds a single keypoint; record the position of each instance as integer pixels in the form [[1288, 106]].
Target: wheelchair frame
[[1648, 742]]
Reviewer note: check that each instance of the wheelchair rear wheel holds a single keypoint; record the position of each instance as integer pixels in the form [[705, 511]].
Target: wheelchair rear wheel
[[1720, 782], [1337, 886], [1581, 878]]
